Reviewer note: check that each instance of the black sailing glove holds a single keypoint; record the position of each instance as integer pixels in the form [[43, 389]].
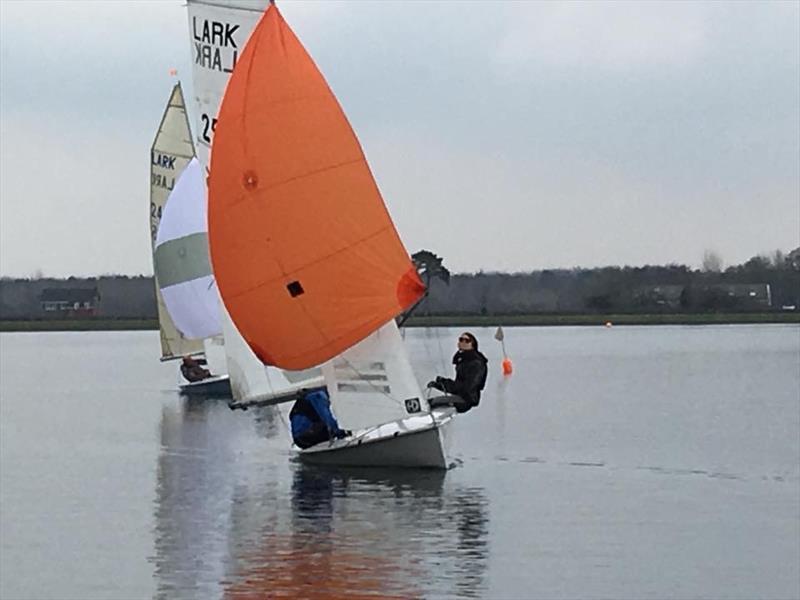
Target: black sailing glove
[[435, 385]]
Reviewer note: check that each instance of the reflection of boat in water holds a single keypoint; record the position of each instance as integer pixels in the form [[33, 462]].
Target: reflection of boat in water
[[199, 465], [191, 494], [228, 525], [368, 533]]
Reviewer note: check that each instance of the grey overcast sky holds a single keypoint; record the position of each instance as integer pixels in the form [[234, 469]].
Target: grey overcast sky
[[504, 136]]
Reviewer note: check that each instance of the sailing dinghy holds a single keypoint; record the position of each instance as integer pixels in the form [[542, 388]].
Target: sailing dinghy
[[186, 284], [307, 260], [182, 331]]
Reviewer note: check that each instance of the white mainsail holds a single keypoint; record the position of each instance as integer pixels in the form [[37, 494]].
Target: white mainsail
[[218, 31], [370, 382], [171, 151]]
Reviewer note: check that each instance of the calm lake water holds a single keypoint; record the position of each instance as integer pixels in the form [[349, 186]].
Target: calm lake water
[[630, 462]]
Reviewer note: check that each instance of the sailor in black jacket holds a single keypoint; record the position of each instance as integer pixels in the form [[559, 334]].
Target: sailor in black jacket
[[465, 391]]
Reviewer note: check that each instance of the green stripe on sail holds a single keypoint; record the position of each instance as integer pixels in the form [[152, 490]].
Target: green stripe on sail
[[182, 259]]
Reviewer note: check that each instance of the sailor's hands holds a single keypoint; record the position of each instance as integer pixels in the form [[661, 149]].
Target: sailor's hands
[[342, 433], [436, 384]]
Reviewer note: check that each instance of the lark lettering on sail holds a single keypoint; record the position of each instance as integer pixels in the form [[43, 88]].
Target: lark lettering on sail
[[218, 31], [215, 45]]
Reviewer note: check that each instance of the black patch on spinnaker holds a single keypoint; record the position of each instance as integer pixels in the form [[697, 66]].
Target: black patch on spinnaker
[[295, 289]]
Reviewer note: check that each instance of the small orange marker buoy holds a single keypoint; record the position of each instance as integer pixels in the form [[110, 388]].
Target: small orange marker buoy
[[500, 337], [508, 368]]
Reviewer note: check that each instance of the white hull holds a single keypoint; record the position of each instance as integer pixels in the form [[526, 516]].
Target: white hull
[[218, 386], [413, 442]]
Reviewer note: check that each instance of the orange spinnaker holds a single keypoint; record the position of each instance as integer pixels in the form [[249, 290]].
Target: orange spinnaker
[[305, 254]]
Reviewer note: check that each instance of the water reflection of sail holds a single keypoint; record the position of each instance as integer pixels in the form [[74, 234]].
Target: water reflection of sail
[[366, 534], [198, 471]]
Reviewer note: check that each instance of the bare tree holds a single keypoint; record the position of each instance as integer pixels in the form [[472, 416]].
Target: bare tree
[[778, 259], [712, 262]]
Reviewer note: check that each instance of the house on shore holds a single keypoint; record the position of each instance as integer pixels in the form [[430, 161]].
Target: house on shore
[[69, 302]]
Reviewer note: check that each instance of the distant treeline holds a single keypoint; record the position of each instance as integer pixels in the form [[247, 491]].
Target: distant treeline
[[760, 284]]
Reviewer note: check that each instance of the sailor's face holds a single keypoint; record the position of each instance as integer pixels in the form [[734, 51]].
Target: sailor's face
[[464, 343]]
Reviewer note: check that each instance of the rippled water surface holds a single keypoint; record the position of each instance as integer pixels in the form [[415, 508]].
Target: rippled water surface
[[630, 462]]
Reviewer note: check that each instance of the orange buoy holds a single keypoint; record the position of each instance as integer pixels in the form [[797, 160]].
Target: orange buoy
[[508, 368]]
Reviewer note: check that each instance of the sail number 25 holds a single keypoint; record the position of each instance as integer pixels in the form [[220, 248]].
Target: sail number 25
[[209, 125]]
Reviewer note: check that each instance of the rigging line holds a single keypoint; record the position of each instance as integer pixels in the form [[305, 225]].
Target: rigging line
[[441, 351], [363, 434], [429, 328], [372, 385], [428, 349], [426, 298], [428, 394]]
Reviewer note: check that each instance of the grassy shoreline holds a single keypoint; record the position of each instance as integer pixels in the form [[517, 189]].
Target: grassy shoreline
[[602, 319], [452, 321]]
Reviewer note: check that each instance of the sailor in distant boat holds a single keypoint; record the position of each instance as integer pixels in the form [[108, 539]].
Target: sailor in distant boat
[[464, 392], [192, 369], [313, 422]]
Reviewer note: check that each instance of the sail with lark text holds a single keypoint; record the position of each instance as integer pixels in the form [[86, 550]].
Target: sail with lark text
[[219, 31], [171, 151]]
